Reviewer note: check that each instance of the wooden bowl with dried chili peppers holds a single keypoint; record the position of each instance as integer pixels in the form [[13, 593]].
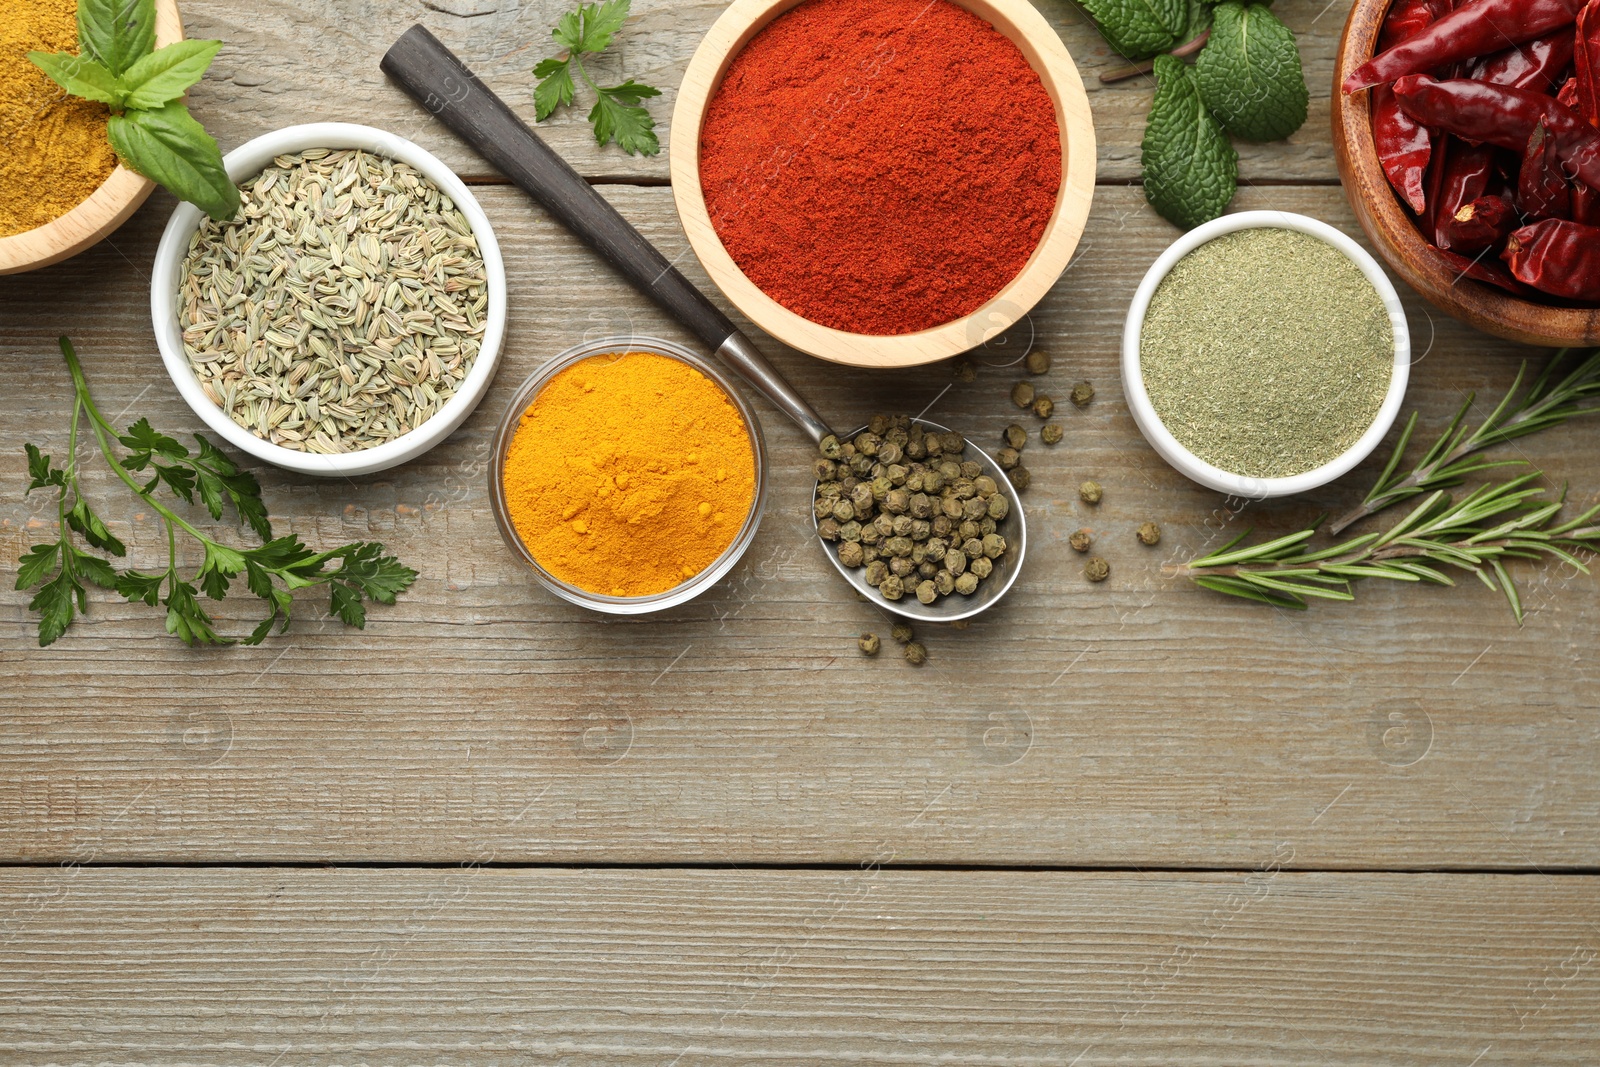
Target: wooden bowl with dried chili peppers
[[115, 197], [1468, 140], [883, 183]]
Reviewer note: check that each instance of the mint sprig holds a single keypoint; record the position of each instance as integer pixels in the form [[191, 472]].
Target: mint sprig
[[1190, 169], [617, 114], [152, 132], [61, 571], [1138, 29], [1250, 75]]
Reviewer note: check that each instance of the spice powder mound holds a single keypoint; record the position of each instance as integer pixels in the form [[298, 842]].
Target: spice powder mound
[[880, 166], [1266, 352], [53, 148], [629, 474]]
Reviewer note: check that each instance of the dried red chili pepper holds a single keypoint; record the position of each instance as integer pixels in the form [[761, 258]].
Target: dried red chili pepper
[[1481, 224], [1404, 147], [1586, 73], [1473, 30], [1558, 257], [1482, 269], [1568, 94], [1542, 189], [1405, 20], [1537, 65], [1585, 204], [1467, 171], [1502, 116]]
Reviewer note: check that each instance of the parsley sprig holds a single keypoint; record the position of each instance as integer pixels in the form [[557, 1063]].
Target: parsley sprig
[[272, 571], [617, 114]]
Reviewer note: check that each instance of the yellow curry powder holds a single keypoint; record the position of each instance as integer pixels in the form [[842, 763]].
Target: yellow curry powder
[[53, 148], [629, 474]]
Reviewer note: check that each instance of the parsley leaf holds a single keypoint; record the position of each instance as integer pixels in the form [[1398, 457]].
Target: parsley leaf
[[616, 114], [1190, 169], [1139, 29], [1249, 73]]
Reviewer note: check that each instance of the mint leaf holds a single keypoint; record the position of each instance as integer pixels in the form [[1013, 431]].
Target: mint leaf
[[165, 75], [117, 33], [1249, 73], [1190, 169], [1199, 20], [79, 76], [1139, 29], [555, 87], [631, 127], [169, 147]]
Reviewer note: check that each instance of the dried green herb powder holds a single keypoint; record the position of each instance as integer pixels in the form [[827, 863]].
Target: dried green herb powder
[[1266, 352]]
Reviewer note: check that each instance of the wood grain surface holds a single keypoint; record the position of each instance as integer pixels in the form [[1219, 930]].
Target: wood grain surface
[[297, 967], [317, 60], [1138, 722]]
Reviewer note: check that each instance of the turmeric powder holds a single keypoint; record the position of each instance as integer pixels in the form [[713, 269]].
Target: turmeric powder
[[629, 474], [53, 147]]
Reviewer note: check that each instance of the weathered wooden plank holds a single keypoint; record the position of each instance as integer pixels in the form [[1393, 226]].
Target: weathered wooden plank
[[1139, 722], [291, 61], [295, 967]]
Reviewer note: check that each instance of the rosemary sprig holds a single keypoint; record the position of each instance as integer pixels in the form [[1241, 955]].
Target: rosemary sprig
[[272, 571], [1479, 533], [1453, 456]]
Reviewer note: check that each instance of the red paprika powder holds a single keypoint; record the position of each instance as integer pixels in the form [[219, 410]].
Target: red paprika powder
[[880, 166]]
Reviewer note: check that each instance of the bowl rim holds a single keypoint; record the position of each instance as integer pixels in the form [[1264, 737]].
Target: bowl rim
[[111, 204], [1045, 52], [1393, 233], [506, 430], [1207, 474], [249, 159]]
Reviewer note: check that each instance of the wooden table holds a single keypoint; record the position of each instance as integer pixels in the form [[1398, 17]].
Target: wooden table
[[1122, 823]]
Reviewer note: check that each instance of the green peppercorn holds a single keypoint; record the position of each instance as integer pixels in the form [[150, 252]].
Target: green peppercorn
[[934, 444], [876, 572], [974, 508], [953, 442], [867, 443], [869, 554], [955, 561], [884, 524], [900, 526], [881, 488], [927, 570], [986, 526], [828, 529], [966, 532], [994, 546], [972, 548], [942, 525], [981, 568], [1090, 492], [1050, 434], [1008, 458], [985, 485], [869, 644], [949, 470], [870, 534], [1021, 477], [916, 655], [937, 547], [829, 447], [898, 546], [897, 501], [889, 452], [824, 469], [823, 506], [1044, 407], [1015, 437], [944, 583], [1082, 393], [1080, 541], [893, 588], [850, 553], [967, 584], [878, 425], [897, 474], [1038, 362], [901, 566], [932, 482], [926, 593], [1022, 395], [965, 371], [901, 632], [916, 449], [1149, 534], [921, 530], [1097, 569], [844, 511], [999, 507]]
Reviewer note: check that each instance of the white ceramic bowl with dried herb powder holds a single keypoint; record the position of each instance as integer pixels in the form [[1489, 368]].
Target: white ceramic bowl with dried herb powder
[[349, 318], [1265, 354]]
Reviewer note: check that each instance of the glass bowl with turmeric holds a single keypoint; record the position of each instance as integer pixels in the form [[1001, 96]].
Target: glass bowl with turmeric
[[629, 475]]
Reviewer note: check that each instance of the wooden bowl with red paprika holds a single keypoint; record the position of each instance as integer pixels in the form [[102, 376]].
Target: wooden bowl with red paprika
[[1474, 166], [883, 183]]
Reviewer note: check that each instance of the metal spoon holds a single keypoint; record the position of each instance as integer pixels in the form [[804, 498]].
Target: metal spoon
[[441, 82]]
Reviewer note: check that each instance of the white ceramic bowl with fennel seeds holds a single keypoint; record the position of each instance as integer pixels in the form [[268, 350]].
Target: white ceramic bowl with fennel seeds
[[243, 164], [1214, 477]]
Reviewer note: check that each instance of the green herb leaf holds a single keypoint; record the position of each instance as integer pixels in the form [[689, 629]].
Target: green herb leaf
[[1138, 29], [631, 92], [1199, 20], [381, 577], [140, 587], [55, 603], [80, 76], [168, 146], [600, 22], [142, 437], [346, 603], [94, 569], [1249, 73], [1190, 169], [40, 473], [87, 523], [118, 33], [187, 620], [166, 74], [555, 87], [631, 127], [36, 563]]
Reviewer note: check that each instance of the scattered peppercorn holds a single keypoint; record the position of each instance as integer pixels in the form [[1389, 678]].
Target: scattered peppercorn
[[901, 632], [1021, 477], [869, 644], [965, 371], [916, 655], [1090, 492], [1008, 458], [1080, 540], [1050, 434], [1044, 407], [1082, 393], [1016, 437], [1038, 362], [1149, 533], [1097, 569], [1022, 395]]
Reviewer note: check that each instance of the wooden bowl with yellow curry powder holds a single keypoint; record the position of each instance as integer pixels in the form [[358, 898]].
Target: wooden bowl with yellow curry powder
[[629, 474], [61, 187]]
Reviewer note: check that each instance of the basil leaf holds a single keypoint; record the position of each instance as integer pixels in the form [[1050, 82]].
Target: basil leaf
[[1138, 29], [118, 33], [87, 78], [166, 74], [169, 147], [1190, 169], [1249, 73]]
